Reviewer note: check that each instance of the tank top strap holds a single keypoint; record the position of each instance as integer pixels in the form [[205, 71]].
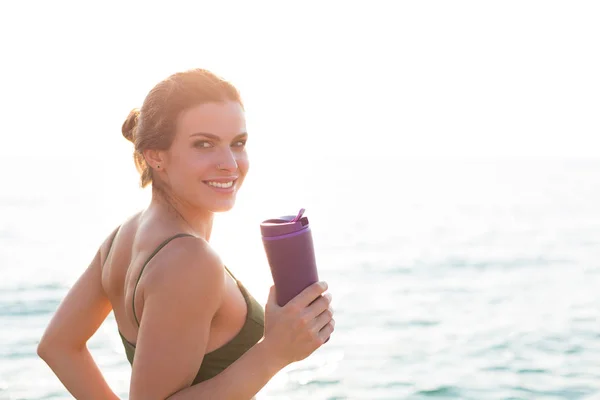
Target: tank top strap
[[231, 274], [160, 246]]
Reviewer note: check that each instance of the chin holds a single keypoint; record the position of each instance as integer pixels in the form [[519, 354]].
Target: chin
[[220, 207]]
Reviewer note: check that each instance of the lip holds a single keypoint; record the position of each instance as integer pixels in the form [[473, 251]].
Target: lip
[[222, 179]]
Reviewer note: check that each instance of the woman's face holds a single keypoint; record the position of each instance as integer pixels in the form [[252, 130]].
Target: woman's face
[[207, 161]]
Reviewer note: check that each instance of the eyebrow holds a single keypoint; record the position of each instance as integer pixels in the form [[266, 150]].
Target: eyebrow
[[217, 138]]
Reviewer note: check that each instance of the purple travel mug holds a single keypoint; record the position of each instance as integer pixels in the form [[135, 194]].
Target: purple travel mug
[[290, 252]]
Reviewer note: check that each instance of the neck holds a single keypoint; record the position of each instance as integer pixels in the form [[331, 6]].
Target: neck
[[191, 219]]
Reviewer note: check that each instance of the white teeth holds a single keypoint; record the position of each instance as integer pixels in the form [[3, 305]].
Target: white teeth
[[224, 185]]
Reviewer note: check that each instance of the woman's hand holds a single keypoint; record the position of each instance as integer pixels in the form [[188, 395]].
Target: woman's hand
[[297, 329]]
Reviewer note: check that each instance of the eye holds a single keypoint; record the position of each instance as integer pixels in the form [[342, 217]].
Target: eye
[[239, 143], [202, 144]]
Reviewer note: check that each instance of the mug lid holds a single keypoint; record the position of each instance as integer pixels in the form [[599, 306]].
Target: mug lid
[[282, 225]]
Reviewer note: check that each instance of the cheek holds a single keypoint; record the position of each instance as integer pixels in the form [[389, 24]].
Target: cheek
[[200, 163], [243, 162], [189, 167]]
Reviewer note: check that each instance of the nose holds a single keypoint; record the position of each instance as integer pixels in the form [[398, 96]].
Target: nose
[[227, 161]]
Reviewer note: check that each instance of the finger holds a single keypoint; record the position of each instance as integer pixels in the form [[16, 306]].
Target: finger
[[322, 319], [318, 306], [272, 300], [309, 294], [327, 330]]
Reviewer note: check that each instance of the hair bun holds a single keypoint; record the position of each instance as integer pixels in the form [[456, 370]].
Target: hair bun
[[128, 128]]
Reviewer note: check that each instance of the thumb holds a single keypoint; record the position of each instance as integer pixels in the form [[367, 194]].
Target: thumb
[[272, 300]]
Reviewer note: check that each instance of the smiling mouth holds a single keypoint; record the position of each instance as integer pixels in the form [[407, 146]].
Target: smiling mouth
[[221, 185]]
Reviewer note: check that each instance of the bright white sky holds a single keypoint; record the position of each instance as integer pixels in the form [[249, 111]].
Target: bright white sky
[[369, 78]]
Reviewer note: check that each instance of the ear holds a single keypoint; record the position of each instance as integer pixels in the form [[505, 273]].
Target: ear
[[154, 158]]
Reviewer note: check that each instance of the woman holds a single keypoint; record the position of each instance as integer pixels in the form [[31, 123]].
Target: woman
[[190, 330]]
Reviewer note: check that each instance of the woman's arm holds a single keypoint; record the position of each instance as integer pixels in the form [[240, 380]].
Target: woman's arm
[[63, 345], [292, 333], [181, 292]]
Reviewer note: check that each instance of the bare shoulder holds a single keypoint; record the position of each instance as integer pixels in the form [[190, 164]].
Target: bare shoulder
[[182, 291], [184, 263]]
